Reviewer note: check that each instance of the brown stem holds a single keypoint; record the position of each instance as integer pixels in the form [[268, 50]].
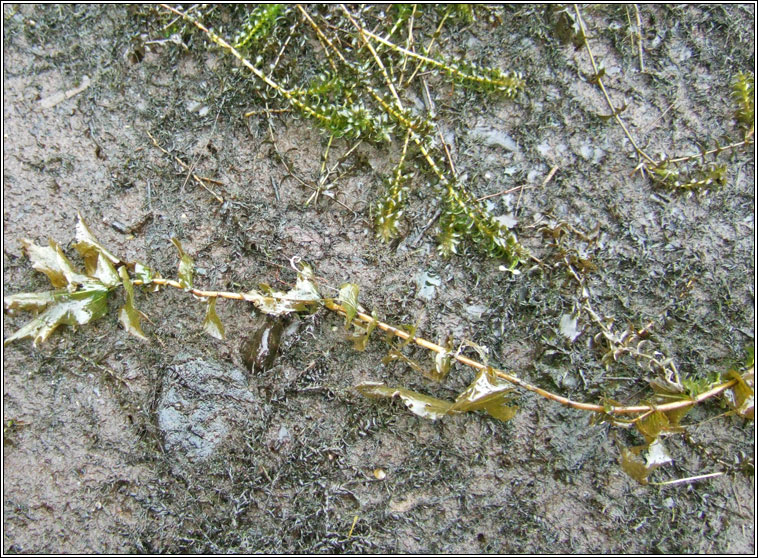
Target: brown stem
[[613, 108], [421, 342]]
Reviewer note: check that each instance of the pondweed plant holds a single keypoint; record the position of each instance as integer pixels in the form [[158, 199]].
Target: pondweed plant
[[81, 297], [362, 91]]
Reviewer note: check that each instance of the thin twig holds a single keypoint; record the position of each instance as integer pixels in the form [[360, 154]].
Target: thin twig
[[447, 153], [291, 173], [378, 60], [408, 43], [427, 49], [199, 179], [639, 36], [614, 110], [503, 192], [654, 122], [197, 157], [284, 46], [547, 179], [107, 370], [706, 153], [689, 479]]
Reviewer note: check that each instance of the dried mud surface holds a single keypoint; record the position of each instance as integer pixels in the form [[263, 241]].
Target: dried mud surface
[[84, 463]]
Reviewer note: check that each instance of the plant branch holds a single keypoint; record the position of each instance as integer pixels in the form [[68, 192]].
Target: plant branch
[[704, 154], [611, 410], [608, 100], [330, 304]]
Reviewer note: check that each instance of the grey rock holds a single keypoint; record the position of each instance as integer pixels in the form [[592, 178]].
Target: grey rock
[[200, 404]]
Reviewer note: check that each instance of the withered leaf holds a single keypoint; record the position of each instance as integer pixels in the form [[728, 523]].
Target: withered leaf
[[742, 396], [419, 404], [77, 308], [652, 425], [212, 324], [51, 261], [488, 394], [640, 461], [186, 265], [90, 249], [129, 316], [348, 298], [29, 302]]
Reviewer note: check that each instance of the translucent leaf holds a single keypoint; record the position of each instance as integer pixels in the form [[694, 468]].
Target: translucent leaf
[[639, 461], [481, 350], [186, 265], [742, 397], [393, 355], [442, 362], [656, 454], [29, 302], [90, 249], [568, 327], [77, 308], [105, 272], [305, 287], [361, 335], [299, 299], [419, 404], [212, 324], [348, 298], [487, 394], [261, 347], [52, 262], [484, 393], [128, 315], [652, 425]]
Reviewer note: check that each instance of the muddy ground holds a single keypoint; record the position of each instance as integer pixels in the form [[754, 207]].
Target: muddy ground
[[86, 466]]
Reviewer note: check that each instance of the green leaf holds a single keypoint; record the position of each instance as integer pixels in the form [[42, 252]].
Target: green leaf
[[146, 275], [419, 404], [361, 335], [652, 425], [742, 396], [105, 272], [52, 262], [639, 461], [129, 316], [212, 324], [348, 298], [488, 394], [77, 308], [91, 250], [143, 273], [29, 302], [186, 266]]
